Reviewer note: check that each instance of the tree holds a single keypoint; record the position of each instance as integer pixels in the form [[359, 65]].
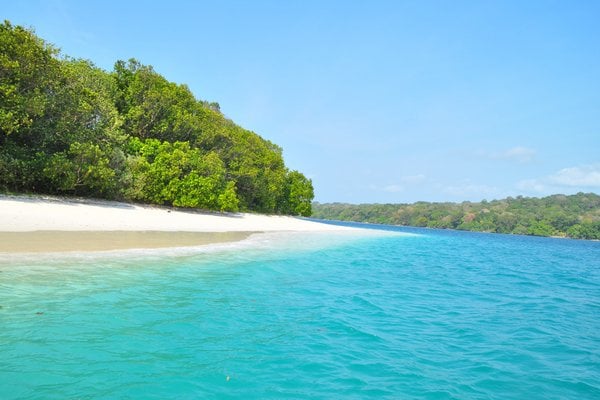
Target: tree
[[28, 79], [228, 200], [176, 174], [300, 193], [154, 107], [84, 109], [83, 170], [69, 127]]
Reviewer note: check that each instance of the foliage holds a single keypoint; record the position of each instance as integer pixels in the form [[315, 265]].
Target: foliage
[[68, 127], [175, 174], [83, 170], [300, 194], [576, 216], [28, 72], [153, 107]]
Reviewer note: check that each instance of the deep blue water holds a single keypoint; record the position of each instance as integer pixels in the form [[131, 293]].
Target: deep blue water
[[432, 315]]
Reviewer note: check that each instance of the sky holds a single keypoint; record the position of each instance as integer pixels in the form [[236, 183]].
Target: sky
[[375, 101]]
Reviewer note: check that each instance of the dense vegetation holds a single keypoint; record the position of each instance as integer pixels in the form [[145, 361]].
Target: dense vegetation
[[68, 127], [576, 216]]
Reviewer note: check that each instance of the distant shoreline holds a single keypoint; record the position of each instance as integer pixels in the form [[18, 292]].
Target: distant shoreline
[[572, 216], [376, 224]]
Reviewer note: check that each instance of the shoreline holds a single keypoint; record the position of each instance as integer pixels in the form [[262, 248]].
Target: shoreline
[[35, 224]]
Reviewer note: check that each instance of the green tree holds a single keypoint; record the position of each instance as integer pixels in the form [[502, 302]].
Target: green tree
[[154, 107], [83, 170], [69, 127], [228, 200], [84, 109], [176, 174], [28, 79], [300, 193]]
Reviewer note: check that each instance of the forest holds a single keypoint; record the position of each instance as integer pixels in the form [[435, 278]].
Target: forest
[[70, 128], [575, 216]]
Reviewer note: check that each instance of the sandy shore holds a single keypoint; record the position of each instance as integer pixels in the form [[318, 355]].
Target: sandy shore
[[26, 214], [60, 224]]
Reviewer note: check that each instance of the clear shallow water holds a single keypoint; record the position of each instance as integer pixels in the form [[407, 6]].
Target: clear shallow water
[[437, 315]]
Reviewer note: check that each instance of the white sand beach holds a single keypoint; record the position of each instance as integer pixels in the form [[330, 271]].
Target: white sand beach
[[26, 214], [41, 224]]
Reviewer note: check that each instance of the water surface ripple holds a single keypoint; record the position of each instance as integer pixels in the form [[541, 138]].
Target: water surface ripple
[[438, 315]]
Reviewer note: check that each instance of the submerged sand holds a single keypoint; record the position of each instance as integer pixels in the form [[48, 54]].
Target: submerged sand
[[61, 241], [41, 224]]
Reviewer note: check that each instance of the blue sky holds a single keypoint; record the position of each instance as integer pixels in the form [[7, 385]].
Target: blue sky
[[376, 101]]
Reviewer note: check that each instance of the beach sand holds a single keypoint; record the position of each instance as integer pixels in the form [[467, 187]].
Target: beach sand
[[46, 224], [61, 241]]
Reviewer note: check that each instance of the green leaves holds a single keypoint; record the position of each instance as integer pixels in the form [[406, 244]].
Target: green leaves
[[28, 78], [299, 194], [175, 174], [68, 127], [153, 107], [228, 200], [86, 111], [83, 170]]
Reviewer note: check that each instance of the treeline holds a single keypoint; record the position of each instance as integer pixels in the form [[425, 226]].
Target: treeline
[[576, 216], [70, 128]]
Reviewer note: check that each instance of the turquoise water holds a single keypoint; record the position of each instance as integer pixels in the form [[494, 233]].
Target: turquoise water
[[432, 315]]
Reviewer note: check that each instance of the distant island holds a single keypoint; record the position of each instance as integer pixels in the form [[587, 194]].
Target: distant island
[[70, 128], [575, 216]]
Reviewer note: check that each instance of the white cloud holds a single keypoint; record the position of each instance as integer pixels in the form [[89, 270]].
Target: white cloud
[[583, 177]]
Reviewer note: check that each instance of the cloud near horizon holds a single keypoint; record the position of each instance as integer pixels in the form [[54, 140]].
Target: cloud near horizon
[[583, 176], [586, 175]]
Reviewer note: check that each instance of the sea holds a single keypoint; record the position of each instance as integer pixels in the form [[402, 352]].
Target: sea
[[388, 312]]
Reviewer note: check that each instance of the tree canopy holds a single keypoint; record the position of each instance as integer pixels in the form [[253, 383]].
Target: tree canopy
[[69, 127], [576, 216]]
